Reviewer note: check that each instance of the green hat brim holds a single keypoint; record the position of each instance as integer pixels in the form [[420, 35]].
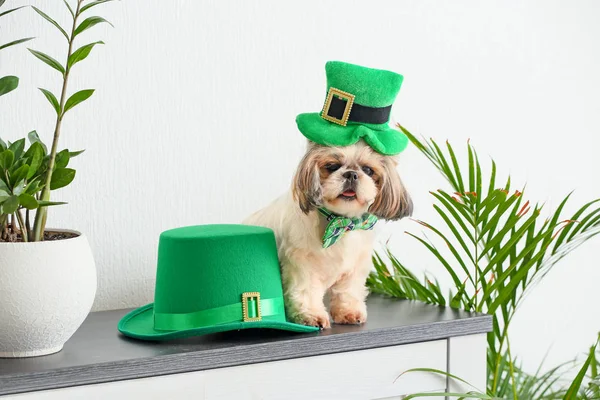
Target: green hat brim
[[380, 137], [139, 324]]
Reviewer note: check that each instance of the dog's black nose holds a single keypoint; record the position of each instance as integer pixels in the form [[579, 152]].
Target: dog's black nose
[[351, 175]]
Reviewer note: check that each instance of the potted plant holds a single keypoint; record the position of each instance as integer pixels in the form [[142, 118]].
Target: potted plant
[[496, 247], [47, 276]]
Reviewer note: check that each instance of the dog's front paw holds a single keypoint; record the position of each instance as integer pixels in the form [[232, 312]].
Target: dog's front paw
[[320, 320], [348, 316]]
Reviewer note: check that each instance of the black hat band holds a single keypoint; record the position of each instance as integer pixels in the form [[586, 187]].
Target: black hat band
[[340, 108]]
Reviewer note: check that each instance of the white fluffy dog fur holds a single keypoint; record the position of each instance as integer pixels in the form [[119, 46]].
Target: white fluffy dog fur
[[348, 181]]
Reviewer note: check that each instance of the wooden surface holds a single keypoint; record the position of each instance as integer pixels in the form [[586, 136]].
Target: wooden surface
[[98, 353]]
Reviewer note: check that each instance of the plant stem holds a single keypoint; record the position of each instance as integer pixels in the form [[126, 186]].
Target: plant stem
[[27, 222], [22, 226], [476, 231], [512, 370], [3, 226], [42, 213], [502, 338]]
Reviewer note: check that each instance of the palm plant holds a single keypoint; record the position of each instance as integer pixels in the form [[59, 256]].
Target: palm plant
[[496, 248], [522, 385]]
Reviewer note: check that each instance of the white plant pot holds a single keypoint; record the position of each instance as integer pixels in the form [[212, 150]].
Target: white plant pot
[[46, 291]]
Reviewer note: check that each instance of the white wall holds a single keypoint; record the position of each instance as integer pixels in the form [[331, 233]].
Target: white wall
[[193, 120]]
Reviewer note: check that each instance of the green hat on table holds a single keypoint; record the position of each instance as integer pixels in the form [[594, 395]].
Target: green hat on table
[[357, 106], [213, 278]]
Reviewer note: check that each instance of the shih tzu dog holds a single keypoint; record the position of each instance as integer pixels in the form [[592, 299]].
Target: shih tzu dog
[[323, 229]]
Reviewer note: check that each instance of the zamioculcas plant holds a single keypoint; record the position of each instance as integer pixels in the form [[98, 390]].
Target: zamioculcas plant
[[495, 246], [26, 183], [58, 270], [22, 175], [9, 83]]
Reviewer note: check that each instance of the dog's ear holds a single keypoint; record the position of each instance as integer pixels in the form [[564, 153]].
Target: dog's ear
[[306, 186], [392, 201]]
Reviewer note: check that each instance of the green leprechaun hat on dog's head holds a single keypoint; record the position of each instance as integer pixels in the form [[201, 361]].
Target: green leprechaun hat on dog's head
[[358, 105], [213, 278]]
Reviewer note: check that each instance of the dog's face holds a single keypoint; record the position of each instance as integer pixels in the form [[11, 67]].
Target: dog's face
[[350, 181]]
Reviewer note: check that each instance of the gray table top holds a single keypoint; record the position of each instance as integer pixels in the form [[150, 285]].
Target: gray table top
[[98, 353]]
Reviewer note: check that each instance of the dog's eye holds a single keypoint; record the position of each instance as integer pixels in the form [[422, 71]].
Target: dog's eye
[[332, 167], [368, 170]]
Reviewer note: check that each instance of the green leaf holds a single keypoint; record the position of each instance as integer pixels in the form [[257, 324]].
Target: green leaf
[[478, 190], [17, 148], [62, 159], [445, 263], [48, 60], [19, 175], [471, 169], [435, 289], [69, 8], [6, 159], [52, 99], [517, 273], [450, 245], [494, 199], [2, 145], [10, 205], [43, 203], [445, 167], [81, 53], [498, 252], [594, 362], [53, 22], [453, 206], [579, 227], [61, 177], [17, 164], [576, 384], [3, 187], [34, 186], [19, 187], [75, 153], [28, 201], [15, 42], [92, 4], [88, 23], [438, 372], [34, 138], [34, 159], [8, 84], [77, 98], [11, 10], [492, 185], [503, 206], [459, 177], [416, 142]]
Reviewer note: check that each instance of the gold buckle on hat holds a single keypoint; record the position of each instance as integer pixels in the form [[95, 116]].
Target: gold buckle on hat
[[245, 298], [343, 96]]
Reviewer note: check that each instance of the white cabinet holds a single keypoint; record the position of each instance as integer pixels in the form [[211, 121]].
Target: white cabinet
[[366, 374], [344, 362]]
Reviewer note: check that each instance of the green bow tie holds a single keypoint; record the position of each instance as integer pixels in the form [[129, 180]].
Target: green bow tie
[[337, 226]]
